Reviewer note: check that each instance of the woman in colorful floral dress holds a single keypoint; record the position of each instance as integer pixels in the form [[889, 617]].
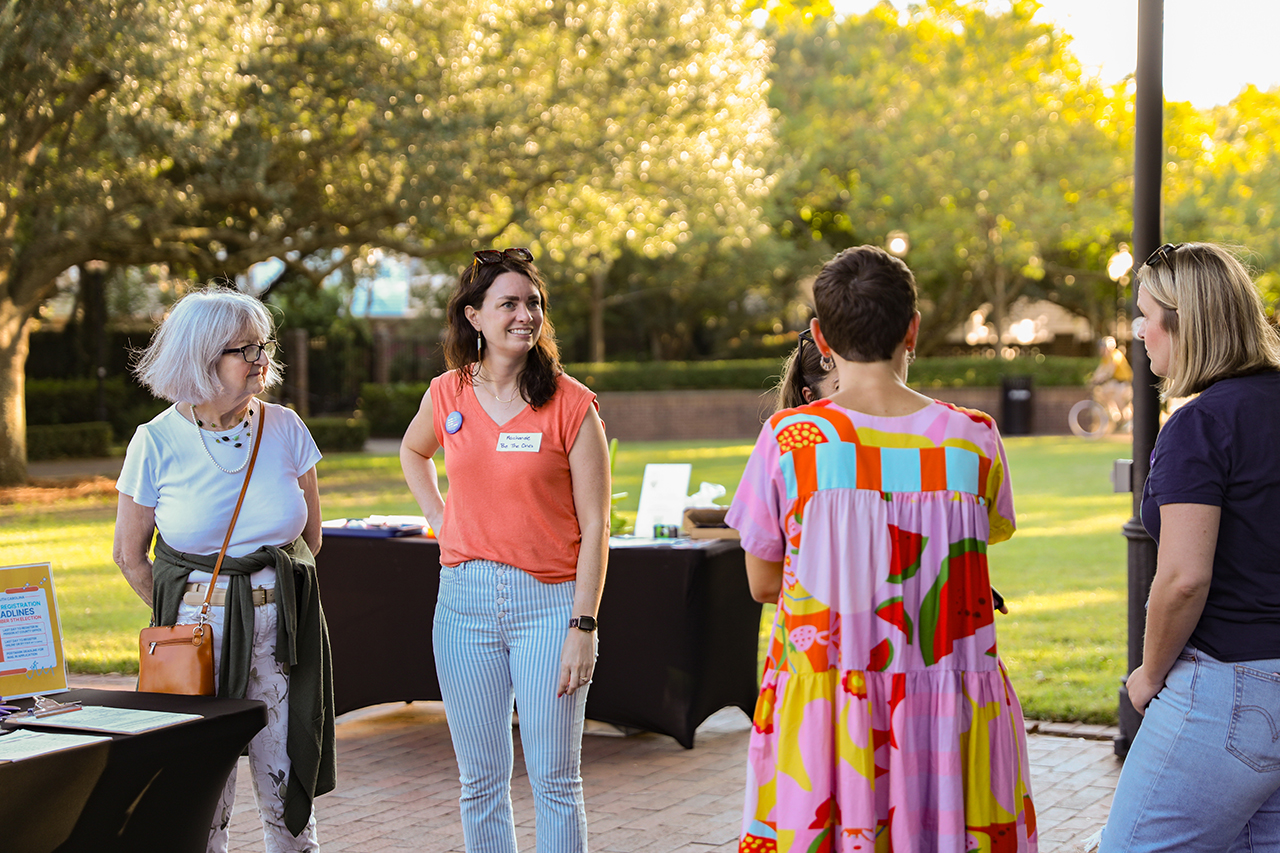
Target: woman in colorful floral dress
[[886, 720]]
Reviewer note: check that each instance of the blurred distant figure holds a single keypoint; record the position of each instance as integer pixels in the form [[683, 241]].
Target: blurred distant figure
[[1112, 382]]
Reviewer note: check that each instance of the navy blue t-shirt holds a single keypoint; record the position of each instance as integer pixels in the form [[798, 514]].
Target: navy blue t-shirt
[[1223, 449]]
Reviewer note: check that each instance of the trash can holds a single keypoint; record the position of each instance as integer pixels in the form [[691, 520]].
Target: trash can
[[1015, 405]]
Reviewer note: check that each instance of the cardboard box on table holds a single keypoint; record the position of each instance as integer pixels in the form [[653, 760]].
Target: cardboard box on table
[[707, 523]]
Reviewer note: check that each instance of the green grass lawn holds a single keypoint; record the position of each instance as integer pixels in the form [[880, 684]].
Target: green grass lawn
[[1063, 573]]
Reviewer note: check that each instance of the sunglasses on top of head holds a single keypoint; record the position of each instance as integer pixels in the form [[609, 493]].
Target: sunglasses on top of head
[[1162, 255], [495, 256]]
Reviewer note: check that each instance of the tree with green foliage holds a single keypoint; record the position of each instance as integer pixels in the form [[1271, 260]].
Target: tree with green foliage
[[971, 128], [1222, 179], [651, 116], [209, 137]]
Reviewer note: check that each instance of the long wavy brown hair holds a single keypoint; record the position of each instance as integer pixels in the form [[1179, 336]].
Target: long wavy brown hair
[[537, 380]]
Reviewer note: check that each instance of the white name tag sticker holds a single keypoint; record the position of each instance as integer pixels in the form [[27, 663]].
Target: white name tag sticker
[[519, 442]]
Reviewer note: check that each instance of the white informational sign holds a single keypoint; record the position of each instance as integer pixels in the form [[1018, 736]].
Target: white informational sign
[[31, 659], [662, 496]]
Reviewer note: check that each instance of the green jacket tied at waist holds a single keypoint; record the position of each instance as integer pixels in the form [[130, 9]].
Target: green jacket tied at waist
[[302, 645]]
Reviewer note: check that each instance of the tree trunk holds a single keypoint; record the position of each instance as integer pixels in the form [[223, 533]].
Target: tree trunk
[[596, 334], [999, 308], [14, 334], [93, 328], [297, 384]]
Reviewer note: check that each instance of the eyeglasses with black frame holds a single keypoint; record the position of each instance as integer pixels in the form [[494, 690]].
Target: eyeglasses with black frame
[[805, 335], [1162, 255], [253, 352], [495, 256]]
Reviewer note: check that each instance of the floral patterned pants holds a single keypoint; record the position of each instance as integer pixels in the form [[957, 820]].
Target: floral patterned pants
[[268, 758]]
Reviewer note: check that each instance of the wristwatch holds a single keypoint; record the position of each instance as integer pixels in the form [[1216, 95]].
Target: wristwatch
[[583, 623]]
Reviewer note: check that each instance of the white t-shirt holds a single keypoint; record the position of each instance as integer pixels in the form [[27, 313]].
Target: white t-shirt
[[167, 468]]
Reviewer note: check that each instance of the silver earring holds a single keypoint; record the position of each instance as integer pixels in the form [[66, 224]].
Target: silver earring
[[827, 363], [479, 342], [911, 355]]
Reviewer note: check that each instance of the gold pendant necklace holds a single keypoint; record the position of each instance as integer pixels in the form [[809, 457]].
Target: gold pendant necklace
[[483, 379]]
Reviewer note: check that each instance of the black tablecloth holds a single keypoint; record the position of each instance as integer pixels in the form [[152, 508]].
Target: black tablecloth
[[679, 632], [152, 791]]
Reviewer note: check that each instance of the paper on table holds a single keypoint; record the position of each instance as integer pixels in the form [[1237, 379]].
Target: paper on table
[[650, 542], [16, 746], [97, 718]]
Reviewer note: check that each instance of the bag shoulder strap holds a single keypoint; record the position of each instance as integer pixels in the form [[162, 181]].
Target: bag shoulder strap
[[257, 442]]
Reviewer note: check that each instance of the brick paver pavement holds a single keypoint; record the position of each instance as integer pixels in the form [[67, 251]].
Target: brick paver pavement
[[398, 786]]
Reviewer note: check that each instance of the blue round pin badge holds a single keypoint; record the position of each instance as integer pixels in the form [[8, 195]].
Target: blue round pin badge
[[453, 423]]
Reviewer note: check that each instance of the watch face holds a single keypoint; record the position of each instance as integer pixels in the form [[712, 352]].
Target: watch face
[[585, 623]]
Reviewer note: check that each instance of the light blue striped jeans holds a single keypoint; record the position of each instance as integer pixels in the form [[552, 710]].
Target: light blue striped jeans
[[498, 633]]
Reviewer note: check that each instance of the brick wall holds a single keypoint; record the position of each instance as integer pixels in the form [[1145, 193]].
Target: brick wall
[[689, 415]]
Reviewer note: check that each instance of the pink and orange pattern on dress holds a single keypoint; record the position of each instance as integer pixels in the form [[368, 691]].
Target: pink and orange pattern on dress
[[886, 720]]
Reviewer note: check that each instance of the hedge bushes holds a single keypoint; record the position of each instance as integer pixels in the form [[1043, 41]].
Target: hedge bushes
[[56, 441], [75, 401], [760, 373], [1045, 371], [389, 408], [338, 434]]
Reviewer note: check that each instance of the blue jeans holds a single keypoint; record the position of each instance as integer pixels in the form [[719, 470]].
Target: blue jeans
[[498, 634], [1203, 773]]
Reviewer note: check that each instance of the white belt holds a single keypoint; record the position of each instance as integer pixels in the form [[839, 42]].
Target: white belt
[[196, 592]]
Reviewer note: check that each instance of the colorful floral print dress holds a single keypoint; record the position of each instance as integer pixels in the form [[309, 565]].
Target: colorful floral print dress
[[886, 721]]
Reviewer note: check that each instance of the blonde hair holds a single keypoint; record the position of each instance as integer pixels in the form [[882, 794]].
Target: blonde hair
[[181, 362], [1214, 317]]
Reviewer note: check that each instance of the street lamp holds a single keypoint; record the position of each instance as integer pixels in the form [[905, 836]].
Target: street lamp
[[898, 243], [1120, 264], [1118, 271]]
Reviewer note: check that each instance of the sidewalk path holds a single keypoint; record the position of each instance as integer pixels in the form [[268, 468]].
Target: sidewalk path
[[398, 786]]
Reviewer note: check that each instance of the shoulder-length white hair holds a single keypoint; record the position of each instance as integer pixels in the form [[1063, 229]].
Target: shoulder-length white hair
[[181, 362]]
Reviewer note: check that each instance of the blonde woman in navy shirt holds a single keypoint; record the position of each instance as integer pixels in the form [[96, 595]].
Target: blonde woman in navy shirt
[[1203, 773]]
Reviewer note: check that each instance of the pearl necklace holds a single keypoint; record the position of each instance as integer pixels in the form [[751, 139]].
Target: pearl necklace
[[236, 439]]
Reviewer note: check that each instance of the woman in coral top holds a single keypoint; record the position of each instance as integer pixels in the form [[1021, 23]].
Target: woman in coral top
[[524, 537], [885, 719]]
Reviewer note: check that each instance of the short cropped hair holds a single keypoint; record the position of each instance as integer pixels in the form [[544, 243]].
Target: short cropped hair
[[1214, 316], [864, 298], [181, 362]]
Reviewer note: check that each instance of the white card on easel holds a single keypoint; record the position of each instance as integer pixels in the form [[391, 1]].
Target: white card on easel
[[662, 495]]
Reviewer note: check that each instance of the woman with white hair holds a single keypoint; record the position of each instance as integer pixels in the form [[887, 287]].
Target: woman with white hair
[[1203, 773], [182, 475]]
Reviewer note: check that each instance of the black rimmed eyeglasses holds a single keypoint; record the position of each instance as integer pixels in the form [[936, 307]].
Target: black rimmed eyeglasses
[[253, 352], [495, 256], [805, 335], [1163, 255]]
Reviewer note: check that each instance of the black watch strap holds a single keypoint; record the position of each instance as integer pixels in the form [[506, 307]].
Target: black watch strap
[[583, 623]]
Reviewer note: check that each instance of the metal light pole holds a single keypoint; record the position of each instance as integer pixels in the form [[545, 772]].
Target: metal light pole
[[1148, 165]]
